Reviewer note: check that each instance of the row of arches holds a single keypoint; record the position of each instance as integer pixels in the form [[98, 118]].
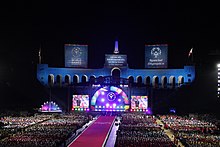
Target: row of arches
[[67, 79], [164, 81], [155, 81]]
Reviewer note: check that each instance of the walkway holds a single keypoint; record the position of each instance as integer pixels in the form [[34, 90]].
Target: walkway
[[169, 133], [96, 134], [112, 137]]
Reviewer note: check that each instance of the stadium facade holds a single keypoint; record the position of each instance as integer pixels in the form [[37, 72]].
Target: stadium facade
[[115, 87]]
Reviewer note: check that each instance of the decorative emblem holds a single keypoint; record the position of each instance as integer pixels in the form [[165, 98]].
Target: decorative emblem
[[156, 51], [111, 96], [76, 52]]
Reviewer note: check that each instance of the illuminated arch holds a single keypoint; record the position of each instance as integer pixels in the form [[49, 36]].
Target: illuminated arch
[[164, 81], [92, 76], [84, 78], [180, 80], [75, 79], [131, 79], [139, 79], [59, 80], [147, 80], [172, 81], [67, 79], [50, 79], [155, 82], [114, 70]]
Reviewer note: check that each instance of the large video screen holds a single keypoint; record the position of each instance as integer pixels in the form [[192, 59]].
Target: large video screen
[[156, 56], [80, 102], [139, 102], [112, 60], [76, 55], [110, 98]]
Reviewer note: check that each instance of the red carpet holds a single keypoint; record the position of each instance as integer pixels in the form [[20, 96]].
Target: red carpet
[[95, 134]]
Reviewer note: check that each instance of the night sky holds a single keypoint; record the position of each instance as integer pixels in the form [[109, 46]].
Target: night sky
[[25, 27]]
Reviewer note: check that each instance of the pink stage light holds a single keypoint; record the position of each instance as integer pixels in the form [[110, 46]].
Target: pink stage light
[[102, 99]]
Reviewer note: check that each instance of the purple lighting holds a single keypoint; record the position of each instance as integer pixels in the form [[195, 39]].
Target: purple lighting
[[109, 98], [148, 111], [50, 107], [116, 51]]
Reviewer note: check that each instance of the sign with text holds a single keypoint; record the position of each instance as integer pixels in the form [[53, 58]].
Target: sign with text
[[156, 56], [76, 55], [115, 60]]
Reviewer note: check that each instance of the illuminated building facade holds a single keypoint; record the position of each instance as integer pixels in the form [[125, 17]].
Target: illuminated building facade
[[115, 87]]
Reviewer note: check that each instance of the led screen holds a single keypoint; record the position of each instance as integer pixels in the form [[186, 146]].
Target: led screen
[[112, 60], [76, 55], [139, 102], [156, 56], [110, 98], [80, 102]]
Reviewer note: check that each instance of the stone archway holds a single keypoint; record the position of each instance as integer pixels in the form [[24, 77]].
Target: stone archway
[[116, 73]]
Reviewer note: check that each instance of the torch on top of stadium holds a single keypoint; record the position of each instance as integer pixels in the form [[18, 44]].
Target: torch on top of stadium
[[190, 52], [116, 51]]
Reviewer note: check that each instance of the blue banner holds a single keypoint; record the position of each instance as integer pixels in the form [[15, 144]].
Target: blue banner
[[76, 55], [156, 56]]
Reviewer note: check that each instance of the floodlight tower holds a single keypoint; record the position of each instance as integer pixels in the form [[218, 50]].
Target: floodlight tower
[[218, 88], [39, 55]]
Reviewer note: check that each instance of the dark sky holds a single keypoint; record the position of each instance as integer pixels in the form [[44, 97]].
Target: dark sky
[[24, 27]]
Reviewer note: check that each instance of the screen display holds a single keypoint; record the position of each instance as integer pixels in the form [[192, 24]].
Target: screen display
[[112, 60], [139, 102], [80, 101], [76, 55], [110, 98], [156, 56]]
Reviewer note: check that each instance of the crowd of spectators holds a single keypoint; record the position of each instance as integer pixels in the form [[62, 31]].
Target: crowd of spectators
[[13, 124], [50, 131], [21, 122], [138, 130], [193, 131], [135, 130]]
